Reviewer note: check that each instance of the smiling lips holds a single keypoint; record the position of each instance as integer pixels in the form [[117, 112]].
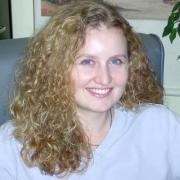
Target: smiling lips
[[99, 92]]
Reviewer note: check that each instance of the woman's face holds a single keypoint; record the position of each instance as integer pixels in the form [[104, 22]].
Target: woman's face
[[100, 72]]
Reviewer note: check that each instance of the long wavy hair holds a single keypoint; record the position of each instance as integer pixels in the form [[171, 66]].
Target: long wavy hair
[[43, 108]]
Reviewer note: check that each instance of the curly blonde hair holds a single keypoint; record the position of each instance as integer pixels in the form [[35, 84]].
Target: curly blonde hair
[[43, 108]]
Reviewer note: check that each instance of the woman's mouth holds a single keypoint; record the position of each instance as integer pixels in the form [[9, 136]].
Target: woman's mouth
[[99, 92]]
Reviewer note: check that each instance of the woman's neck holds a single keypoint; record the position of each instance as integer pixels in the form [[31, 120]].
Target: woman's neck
[[96, 125]]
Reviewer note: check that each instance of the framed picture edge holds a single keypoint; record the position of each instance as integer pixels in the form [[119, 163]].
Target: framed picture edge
[[39, 20]]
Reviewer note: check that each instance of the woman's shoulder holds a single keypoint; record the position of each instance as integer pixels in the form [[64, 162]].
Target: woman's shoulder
[[153, 121], [153, 110], [6, 131], [156, 113], [10, 160], [7, 140], [8, 146]]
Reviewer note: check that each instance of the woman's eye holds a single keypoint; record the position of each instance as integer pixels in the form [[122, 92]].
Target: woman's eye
[[87, 62], [116, 61]]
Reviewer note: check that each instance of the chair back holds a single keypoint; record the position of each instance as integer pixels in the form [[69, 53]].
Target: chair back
[[11, 50]]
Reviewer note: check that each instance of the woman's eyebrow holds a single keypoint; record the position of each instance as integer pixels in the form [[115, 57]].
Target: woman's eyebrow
[[86, 56], [120, 56]]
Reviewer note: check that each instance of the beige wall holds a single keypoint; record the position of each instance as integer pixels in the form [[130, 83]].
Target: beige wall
[[22, 18], [23, 26]]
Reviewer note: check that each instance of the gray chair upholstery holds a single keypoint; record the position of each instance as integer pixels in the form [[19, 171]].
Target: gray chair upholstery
[[155, 53], [10, 52], [12, 49]]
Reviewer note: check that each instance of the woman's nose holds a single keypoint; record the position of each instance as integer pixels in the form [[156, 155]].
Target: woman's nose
[[103, 75]]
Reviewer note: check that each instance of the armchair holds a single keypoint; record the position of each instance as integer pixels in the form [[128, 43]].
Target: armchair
[[12, 49]]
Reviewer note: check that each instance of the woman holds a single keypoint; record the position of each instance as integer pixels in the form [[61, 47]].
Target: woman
[[86, 104]]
